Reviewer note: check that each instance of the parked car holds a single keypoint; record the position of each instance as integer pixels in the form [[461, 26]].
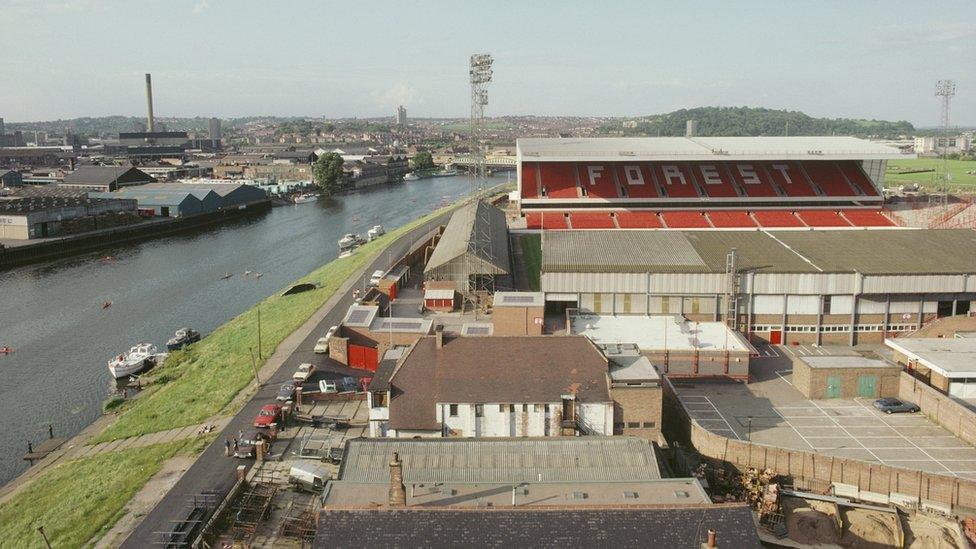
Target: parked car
[[375, 279], [246, 445], [286, 392], [310, 476], [303, 372], [350, 384], [322, 345], [895, 406], [270, 413]]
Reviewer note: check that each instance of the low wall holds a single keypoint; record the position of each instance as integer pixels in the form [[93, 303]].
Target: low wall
[[949, 414]]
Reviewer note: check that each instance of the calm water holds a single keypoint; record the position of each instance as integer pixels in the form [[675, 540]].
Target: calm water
[[51, 313]]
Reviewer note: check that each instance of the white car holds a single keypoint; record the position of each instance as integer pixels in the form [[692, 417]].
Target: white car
[[304, 372], [322, 345], [375, 279]]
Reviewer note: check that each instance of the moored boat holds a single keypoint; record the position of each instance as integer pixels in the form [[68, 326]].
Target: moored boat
[[182, 338], [137, 359]]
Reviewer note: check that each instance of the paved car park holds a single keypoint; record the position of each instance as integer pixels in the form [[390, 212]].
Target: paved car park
[[770, 411]]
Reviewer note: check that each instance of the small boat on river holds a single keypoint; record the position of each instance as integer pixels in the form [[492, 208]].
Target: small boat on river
[[182, 338], [136, 360]]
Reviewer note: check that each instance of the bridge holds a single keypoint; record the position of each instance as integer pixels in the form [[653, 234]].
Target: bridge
[[491, 161]]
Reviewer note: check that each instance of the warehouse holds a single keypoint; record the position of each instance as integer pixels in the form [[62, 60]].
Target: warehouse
[[839, 287], [948, 364], [473, 250], [156, 202], [24, 218], [832, 376], [105, 178]]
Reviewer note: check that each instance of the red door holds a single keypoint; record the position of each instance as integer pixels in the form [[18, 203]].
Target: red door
[[775, 337], [363, 357]]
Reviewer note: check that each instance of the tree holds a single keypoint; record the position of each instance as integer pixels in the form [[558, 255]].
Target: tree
[[422, 161], [328, 172]]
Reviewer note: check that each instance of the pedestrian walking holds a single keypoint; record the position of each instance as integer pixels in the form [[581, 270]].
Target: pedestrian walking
[[226, 446], [235, 446], [240, 434]]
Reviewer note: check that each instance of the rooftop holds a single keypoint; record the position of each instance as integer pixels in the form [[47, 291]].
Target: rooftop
[[493, 370], [502, 460], [951, 357], [852, 361], [519, 299], [703, 148], [658, 332], [613, 527], [475, 240], [638, 367]]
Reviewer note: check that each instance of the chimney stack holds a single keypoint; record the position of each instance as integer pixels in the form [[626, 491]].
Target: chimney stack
[[710, 544], [398, 492], [439, 335], [149, 118]]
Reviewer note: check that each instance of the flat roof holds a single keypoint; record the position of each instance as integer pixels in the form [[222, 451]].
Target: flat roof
[[360, 316], [459, 494], [841, 362], [919, 251], [471, 329], [633, 368], [703, 148], [952, 357], [402, 325], [658, 332], [519, 299], [438, 293], [502, 460]]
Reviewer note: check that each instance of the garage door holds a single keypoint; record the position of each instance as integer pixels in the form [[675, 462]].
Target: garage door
[[363, 357]]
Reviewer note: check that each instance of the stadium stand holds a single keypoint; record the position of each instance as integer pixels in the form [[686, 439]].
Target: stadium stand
[[715, 180], [530, 180], [867, 218], [597, 181], [822, 218], [858, 178], [675, 179], [559, 180], [776, 219], [638, 220], [636, 180], [549, 220], [591, 220], [829, 178], [725, 219], [788, 177], [751, 179], [685, 220]]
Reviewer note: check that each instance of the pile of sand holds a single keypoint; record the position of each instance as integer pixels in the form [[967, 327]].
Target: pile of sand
[[810, 522], [866, 529], [927, 532]]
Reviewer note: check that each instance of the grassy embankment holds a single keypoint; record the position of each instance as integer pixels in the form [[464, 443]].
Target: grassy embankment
[[196, 384], [83, 498], [961, 181], [532, 258]]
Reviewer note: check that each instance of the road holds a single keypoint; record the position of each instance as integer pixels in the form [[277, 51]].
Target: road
[[213, 470]]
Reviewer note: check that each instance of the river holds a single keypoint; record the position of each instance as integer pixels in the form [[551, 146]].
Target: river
[[51, 313]]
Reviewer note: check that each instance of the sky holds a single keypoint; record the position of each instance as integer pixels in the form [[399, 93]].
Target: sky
[[230, 58]]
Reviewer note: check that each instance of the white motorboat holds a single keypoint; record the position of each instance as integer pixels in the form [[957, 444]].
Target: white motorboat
[[376, 232], [349, 241], [411, 177], [303, 198], [137, 359]]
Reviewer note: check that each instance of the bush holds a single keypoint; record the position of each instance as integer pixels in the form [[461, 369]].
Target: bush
[[112, 403]]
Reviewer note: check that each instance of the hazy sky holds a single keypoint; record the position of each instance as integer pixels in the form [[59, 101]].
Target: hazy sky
[[873, 59]]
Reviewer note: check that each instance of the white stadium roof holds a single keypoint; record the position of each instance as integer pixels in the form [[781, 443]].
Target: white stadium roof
[[703, 149]]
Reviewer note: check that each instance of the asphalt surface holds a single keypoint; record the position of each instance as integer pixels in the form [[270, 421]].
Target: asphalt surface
[[213, 471]]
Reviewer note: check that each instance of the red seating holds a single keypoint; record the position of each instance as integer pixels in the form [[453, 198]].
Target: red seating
[[530, 182], [675, 179], [776, 218], [597, 181], [714, 179], [685, 220], [867, 218], [550, 220], [828, 177], [591, 220], [789, 178], [823, 218], [638, 220], [857, 176], [723, 219], [636, 180], [752, 179], [559, 179]]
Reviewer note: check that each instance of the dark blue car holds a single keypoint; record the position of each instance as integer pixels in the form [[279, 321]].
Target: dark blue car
[[895, 406]]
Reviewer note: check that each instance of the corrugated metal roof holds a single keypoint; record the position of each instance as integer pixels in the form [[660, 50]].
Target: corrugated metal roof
[[703, 148], [502, 460], [519, 299], [438, 293], [619, 251], [489, 236]]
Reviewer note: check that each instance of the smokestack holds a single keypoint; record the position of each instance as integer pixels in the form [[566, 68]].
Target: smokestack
[[398, 492], [149, 118], [439, 335]]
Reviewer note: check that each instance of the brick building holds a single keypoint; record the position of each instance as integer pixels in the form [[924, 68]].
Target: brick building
[[831, 376]]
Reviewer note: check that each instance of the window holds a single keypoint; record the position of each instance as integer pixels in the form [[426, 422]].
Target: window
[[453, 410], [525, 408], [648, 424], [633, 425], [479, 410], [539, 408], [501, 408], [511, 408], [826, 304]]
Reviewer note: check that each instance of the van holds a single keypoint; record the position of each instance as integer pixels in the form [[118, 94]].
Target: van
[[308, 476]]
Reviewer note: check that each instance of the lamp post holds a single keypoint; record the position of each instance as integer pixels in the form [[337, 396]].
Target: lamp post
[[749, 428]]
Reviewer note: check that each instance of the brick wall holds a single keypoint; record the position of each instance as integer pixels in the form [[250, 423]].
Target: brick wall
[[516, 321], [951, 415], [637, 405], [812, 382]]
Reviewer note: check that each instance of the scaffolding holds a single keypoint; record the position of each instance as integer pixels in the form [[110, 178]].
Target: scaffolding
[[732, 290], [185, 531], [478, 288], [252, 510], [299, 523]]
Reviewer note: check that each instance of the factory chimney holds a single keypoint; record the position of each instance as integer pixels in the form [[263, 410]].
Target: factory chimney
[[149, 118]]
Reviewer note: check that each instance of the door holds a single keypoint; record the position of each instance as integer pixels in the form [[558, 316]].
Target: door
[[833, 387], [944, 309], [775, 337], [867, 386], [164, 211]]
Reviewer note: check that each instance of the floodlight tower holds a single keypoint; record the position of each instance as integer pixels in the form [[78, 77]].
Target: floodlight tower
[[480, 243], [945, 89], [480, 75]]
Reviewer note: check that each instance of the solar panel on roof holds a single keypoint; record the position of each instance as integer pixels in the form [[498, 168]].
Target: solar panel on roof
[[478, 330], [519, 299], [358, 316]]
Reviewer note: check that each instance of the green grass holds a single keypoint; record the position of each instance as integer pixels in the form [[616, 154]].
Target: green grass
[[82, 498], [957, 169], [531, 245], [196, 384]]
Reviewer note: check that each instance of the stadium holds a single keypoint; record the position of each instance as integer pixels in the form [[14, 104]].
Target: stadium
[[784, 238]]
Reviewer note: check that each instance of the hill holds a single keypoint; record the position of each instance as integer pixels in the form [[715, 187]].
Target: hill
[[727, 121]]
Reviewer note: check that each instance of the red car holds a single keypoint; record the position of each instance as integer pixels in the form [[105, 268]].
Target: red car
[[270, 413]]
